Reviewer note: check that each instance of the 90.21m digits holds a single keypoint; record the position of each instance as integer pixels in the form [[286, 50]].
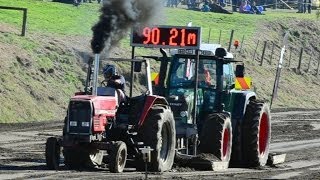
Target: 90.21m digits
[[172, 37]]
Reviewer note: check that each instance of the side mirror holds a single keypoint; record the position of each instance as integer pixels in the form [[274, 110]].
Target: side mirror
[[137, 66], [240, 70], [220, 52]]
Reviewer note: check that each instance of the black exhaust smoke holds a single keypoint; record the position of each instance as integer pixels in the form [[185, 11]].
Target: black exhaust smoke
[[120, 15]]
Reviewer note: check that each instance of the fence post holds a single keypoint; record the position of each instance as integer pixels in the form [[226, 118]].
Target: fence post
[[242, 41], [24, 18], [255, 51], [263, 51], [24, 23], [318, 65], [209, 35], [290, 51], [271, 55], [300, 59], [309, 64], [220, 37], [231, 38]]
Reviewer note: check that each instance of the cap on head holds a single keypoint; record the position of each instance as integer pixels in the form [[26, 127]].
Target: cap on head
[[109, 70]]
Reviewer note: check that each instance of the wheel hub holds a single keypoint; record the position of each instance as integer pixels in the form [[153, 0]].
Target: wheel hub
[[263, 134]]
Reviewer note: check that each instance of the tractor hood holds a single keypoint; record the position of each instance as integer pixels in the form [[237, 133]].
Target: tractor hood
[[102, 104]]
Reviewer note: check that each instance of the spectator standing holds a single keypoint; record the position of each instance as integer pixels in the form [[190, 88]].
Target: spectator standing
[[309, 6], [172, 3], [234, 5], [300, 6], [222, 3]]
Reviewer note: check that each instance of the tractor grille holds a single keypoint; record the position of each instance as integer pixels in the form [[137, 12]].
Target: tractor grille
[[79, 117]]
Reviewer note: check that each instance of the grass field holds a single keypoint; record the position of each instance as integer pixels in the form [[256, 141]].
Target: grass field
[[59, 18], [48, 17], [56, 33]]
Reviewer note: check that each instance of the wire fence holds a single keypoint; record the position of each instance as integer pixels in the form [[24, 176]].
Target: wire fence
[[267, 53], [262, 52]]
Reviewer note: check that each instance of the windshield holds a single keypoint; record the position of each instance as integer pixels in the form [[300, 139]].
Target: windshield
[[183, 73]]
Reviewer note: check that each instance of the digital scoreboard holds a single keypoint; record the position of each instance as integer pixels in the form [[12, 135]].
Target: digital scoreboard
[[167, 37]]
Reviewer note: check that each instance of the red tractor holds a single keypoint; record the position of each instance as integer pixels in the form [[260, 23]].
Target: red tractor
[[100, 129]]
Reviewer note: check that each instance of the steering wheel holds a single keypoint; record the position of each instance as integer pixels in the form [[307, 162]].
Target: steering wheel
[[104, 83]]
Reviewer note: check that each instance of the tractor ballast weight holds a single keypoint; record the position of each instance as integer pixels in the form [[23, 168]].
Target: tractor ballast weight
[[101, 129]]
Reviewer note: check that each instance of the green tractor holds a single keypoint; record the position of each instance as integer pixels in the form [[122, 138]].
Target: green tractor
[[214, 109], [211, 114]]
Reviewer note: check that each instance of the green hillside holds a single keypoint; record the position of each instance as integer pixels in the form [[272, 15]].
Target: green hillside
[[41, 71]]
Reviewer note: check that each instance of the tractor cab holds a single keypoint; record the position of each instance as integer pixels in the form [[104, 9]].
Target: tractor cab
[[182, 80]]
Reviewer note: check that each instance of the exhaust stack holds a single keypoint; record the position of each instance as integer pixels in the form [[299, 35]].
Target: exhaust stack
[[95, 74]]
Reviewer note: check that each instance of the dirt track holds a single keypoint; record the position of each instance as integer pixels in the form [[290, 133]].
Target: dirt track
[[296, 133]]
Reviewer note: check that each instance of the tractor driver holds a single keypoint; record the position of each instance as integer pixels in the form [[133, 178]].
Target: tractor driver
[[114, 80], [206, 73]]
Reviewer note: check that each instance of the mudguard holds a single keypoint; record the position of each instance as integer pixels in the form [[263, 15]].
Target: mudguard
[[240, 100], [151, 100]]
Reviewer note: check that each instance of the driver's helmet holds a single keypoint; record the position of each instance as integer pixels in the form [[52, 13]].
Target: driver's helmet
[[109, 70]]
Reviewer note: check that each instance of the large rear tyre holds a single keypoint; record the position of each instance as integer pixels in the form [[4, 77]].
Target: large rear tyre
[[158, 132], [216, 136], [118, 157], [52, 153], [256, 134], [76, 158]]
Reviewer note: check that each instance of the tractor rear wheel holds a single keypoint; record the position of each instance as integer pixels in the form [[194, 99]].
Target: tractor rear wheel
[[216, 136], [52, 153], [158, 132], [75, 158], [118, 157], [256, 134]]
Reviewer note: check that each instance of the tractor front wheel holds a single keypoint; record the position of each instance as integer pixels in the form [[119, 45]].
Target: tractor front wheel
[[216, 136], [118, 157], [256, 134], [52, 153], [158, 132]]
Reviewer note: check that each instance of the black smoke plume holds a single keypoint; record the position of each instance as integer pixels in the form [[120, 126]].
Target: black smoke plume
[[118, 16]]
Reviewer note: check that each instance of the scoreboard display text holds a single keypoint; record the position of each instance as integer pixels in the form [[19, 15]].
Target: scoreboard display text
[[167, 37]]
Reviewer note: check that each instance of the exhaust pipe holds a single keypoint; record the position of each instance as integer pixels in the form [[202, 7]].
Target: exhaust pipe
[[95, 74]]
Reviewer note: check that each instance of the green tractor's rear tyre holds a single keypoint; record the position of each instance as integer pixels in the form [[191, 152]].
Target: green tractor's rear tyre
[[256, 134], [118, 157], [52, 153], [79, 157], [158, 132], [216, 136]]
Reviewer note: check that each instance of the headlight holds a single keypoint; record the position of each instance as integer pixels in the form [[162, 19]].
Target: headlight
[[183, 113], [73, 123], [85, 124]]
